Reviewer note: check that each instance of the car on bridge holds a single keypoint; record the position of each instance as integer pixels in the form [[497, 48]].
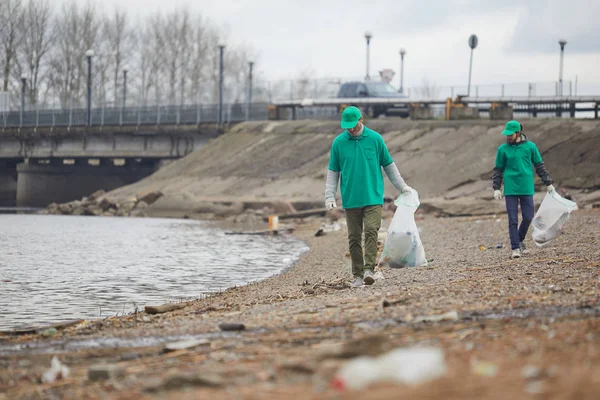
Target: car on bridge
[[379, 90]]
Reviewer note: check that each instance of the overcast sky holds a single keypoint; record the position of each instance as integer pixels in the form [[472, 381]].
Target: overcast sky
[[518, 40]]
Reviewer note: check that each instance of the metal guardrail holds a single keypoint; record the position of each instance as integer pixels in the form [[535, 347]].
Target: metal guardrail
[[481, 100], [149, 115]]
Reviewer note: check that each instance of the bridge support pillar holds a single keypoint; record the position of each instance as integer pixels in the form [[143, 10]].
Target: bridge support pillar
[[501, 111], [8, 183], [41, 184]]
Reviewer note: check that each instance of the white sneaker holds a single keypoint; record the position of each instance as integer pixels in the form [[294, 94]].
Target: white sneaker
[[357, 282], [524, 249], [516, 253], [368, 277]]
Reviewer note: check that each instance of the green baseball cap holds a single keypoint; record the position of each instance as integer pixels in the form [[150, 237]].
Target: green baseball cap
[[350, 117], [511, 128]]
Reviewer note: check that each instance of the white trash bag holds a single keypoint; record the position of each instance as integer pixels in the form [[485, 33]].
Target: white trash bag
[[403, 247], [550, 218]]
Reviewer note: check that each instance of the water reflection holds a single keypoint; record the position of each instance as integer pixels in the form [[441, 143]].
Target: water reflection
[[56, 268]]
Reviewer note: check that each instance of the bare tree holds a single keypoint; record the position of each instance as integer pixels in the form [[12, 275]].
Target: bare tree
[[11, 34], [121, 41], [77, 32], [36, 45]]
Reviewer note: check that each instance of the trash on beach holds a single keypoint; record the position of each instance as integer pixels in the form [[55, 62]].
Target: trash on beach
[[320, 232], [186, 344], [410, 366], [500, 245], [101, 372], [483, 368], [232, 327], [56, 372], [403, 247], [550, 218], [448, 316], [482, 247]]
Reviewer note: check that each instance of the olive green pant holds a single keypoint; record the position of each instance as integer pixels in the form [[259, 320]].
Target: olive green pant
[[370, 218]]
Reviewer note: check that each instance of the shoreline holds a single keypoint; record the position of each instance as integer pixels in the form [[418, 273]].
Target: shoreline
[[301, 325]]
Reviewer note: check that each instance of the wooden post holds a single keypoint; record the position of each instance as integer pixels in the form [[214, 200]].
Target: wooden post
[[572, 109], [596, 111]]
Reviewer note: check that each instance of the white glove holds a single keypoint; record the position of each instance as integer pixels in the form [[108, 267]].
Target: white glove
[[550, 189], [330, 204], [406, 189], [497, 195]]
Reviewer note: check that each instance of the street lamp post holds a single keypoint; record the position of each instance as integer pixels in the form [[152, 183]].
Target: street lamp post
[[368, 36], [402, 54], [89, 54], [221, 48], [472, 44], [23, 88], [124, 87], [562, 43], [249, 101]]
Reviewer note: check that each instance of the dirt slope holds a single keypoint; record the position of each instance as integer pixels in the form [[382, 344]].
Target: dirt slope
[[448, 162]]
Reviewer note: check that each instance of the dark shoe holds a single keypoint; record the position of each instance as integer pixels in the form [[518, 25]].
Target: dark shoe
[[369, 277]]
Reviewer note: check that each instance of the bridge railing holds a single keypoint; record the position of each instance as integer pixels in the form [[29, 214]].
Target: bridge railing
[[131, 116]]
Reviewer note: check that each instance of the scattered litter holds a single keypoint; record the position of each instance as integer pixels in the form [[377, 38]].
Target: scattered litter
[[320, 232], [448, 316], [500, 245], [535, 387], [49, 332], [483, 368], [482, 247], [531, 372], [232, 327], [186, 344], [378, 275], [56, 372], [409, 366], [105, 371]]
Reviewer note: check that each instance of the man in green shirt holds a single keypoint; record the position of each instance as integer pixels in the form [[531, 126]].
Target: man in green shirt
[[515, 161], [357, 156]]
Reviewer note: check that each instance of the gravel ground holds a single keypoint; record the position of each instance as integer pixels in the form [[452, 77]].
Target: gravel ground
[[540, 312]]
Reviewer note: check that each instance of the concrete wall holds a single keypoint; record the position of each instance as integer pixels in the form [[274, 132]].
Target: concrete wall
[[461, 113], [39, 185], [502, 112]]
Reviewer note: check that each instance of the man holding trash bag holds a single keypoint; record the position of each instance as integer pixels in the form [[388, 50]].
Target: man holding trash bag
[[515, 161], [357, 156]]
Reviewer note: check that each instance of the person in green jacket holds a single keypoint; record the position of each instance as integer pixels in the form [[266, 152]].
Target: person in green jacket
[[357, 156], [515, 162]]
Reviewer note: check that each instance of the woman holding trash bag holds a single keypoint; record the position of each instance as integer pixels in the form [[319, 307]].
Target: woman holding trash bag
[[357, 155], [515, 161]]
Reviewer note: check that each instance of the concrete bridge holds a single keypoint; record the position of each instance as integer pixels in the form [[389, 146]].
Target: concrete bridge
[[39, 166]]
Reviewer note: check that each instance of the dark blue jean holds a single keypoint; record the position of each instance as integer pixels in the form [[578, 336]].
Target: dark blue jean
[[517, 233]]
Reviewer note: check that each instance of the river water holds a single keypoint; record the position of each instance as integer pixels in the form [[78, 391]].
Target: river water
[[57, 268]]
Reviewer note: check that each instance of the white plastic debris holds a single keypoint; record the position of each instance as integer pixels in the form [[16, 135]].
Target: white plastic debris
[[56, 372], [410, 366]]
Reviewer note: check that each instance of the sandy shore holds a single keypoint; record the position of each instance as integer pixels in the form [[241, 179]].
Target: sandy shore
[[541, 312]]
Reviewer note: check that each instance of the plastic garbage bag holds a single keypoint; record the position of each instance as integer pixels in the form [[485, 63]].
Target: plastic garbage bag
[[550, 218], [403, 247]]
